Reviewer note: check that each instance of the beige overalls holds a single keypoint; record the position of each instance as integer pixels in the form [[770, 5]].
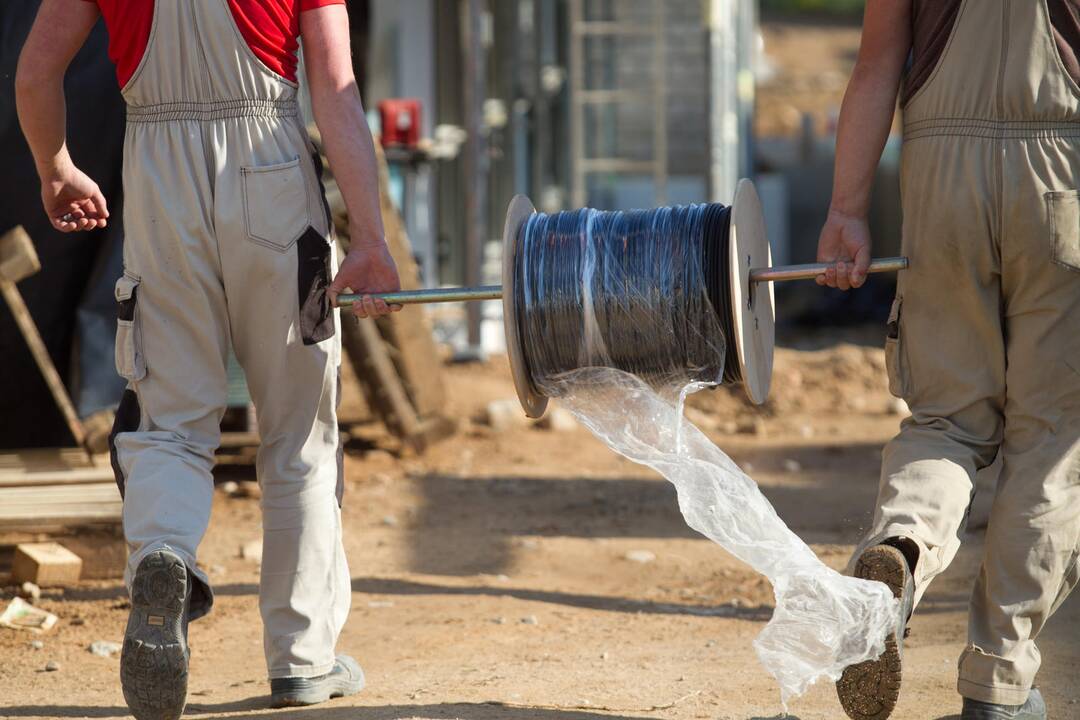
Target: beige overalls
[[984, 336], [228, 242]]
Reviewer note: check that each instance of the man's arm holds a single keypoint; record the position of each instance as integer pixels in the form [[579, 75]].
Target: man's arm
[[865, 119], [339, 114], [71, 199]]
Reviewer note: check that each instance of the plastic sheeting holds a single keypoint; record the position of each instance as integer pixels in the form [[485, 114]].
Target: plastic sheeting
[[600, 294]]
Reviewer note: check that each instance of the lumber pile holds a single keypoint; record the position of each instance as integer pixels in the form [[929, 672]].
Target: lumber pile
[[394, 359], [55, 488]]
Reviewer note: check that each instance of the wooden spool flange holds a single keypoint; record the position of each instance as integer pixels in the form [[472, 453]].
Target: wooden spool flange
[[752, 306], [532, 402]]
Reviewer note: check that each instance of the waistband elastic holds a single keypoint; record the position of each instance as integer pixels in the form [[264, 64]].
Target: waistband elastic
[[991, 129], [215, 110]]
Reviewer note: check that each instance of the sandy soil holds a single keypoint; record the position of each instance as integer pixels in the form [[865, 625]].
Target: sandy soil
[[808, 65], [491, 577]]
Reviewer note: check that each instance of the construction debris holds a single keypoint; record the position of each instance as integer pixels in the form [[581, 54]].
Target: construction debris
[[30, 591], [21, 615], [252, 551], [640, 556], [501, 415], [104, 648], [557, 419], [246, 489], [47, 564]]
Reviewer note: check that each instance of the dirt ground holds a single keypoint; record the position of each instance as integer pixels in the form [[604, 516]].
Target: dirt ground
[[492, 577], [807, 65]]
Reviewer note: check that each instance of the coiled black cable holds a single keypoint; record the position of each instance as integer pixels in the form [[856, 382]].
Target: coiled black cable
[[644, 291]]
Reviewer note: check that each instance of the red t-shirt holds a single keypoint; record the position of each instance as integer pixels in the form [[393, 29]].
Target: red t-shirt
[[270, 27]]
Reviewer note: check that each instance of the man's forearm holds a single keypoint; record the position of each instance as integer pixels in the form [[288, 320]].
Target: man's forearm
[[58, 32], [43, 117], [351, 151], [865, 120]]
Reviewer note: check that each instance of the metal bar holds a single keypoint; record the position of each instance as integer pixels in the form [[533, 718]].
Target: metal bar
[[431, 295], [608, 27], [494, 292], [660, 144], [596, 97], [577, 108], [616, 165], [812, 270], [475, 160]]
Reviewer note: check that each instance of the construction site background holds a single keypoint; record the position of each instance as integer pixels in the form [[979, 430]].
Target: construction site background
[[504, 568]]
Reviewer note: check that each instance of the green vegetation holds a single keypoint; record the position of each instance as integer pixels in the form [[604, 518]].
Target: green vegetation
[[826, 7]]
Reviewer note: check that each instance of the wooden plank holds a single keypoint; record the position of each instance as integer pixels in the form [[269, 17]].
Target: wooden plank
[[239, 440], [75, 476], [383, 388], [395, 361], [69, 511], [58, 495], [61, 518], [17, 506], [59, 506], [47, 459], [68, 505], [409, 331]]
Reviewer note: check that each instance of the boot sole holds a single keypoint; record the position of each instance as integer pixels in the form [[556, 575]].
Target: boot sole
[[154, 661], [869, 690]]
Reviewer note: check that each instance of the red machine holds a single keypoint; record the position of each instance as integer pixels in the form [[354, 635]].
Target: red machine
[[400, 122]]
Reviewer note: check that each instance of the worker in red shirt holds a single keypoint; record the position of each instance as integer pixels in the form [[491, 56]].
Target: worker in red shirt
[[228, 243]]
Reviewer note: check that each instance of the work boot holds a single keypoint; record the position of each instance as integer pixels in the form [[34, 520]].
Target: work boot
[[154, 662], [346, 678], [1033, 709], [869, 690]]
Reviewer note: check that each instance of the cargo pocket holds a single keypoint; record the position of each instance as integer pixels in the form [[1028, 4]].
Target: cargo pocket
[[1063, 209], [313, 279], [275, 204], [894, 356], [130, 363]]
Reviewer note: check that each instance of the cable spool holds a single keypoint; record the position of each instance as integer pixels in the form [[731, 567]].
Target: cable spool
[[664, 294]]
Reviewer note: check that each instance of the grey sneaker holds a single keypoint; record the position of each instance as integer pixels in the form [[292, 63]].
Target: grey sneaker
[[1033, 709], [869, 690], [346, 678], [154, 661]]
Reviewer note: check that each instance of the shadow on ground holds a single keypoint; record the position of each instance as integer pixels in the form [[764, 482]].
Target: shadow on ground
[[829, 501], [464, 711], [935, 603]]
